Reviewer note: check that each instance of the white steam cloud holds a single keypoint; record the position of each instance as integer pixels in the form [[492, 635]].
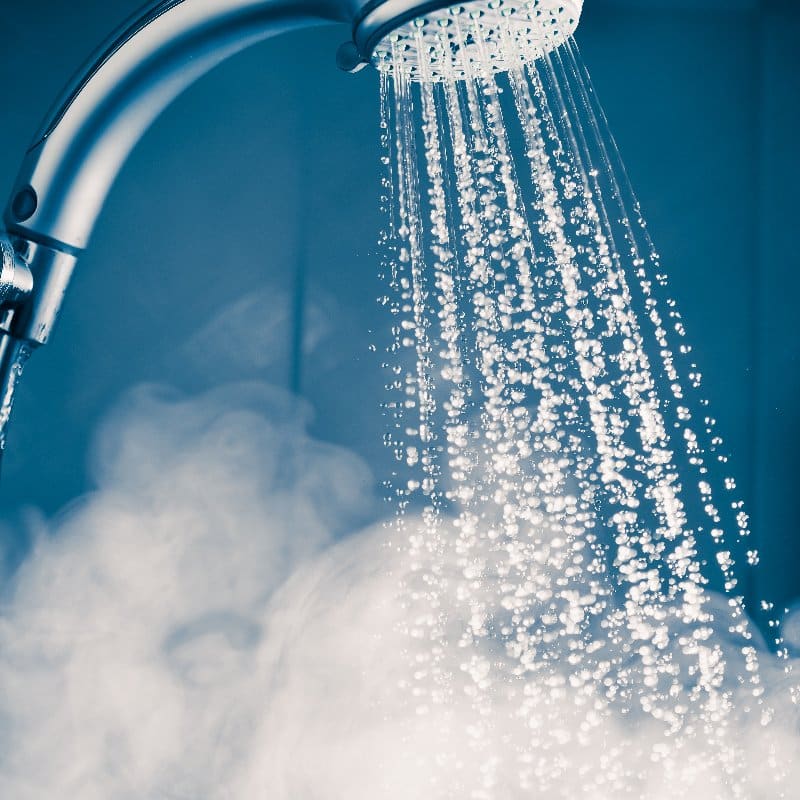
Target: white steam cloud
[[130, 638], [200, 627], [240, 339]]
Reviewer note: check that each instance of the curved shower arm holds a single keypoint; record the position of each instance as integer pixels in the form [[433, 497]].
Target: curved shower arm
[[73, 161]]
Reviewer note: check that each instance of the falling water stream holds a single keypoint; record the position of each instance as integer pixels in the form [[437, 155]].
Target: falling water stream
[[16, 355], [583, 546]]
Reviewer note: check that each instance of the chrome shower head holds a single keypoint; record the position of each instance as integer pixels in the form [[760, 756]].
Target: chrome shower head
[[440, 41], [73, 160]]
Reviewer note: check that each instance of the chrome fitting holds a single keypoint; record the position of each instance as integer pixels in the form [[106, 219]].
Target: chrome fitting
[[16, 279]]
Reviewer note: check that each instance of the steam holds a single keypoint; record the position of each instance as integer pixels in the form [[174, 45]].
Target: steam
[[129, 639], [240, 339], [210, 623]]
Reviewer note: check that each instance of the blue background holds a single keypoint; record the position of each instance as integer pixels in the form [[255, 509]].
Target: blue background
[[262, 182]]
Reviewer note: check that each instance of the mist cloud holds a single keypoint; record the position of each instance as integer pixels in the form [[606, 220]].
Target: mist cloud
[[128, 638], [211, 623]]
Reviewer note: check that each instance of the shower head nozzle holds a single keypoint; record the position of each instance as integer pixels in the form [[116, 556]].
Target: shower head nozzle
[[438, 40]]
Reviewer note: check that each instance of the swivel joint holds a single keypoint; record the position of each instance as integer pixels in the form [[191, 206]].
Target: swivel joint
[[16, 279]]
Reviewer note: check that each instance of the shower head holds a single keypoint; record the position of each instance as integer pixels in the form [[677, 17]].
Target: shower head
[[73, 160], [439, 40]]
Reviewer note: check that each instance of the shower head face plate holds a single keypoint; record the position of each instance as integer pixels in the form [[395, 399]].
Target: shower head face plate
[[463, 41]]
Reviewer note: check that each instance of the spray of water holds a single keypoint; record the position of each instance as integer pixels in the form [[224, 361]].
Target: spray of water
[[550, 408]]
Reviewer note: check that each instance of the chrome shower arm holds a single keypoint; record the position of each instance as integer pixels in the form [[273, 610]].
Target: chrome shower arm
[[73, 161]]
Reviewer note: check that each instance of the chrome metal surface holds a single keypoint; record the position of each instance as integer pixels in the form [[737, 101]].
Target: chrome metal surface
[[51, 271], [16, 281]]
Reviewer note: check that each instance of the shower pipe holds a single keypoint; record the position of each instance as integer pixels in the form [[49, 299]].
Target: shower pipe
[[71, 165]]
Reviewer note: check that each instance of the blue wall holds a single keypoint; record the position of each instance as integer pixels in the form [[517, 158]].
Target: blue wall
[[261, 182]]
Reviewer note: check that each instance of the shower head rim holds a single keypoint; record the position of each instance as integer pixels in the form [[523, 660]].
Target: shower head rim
[[377, 20]]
